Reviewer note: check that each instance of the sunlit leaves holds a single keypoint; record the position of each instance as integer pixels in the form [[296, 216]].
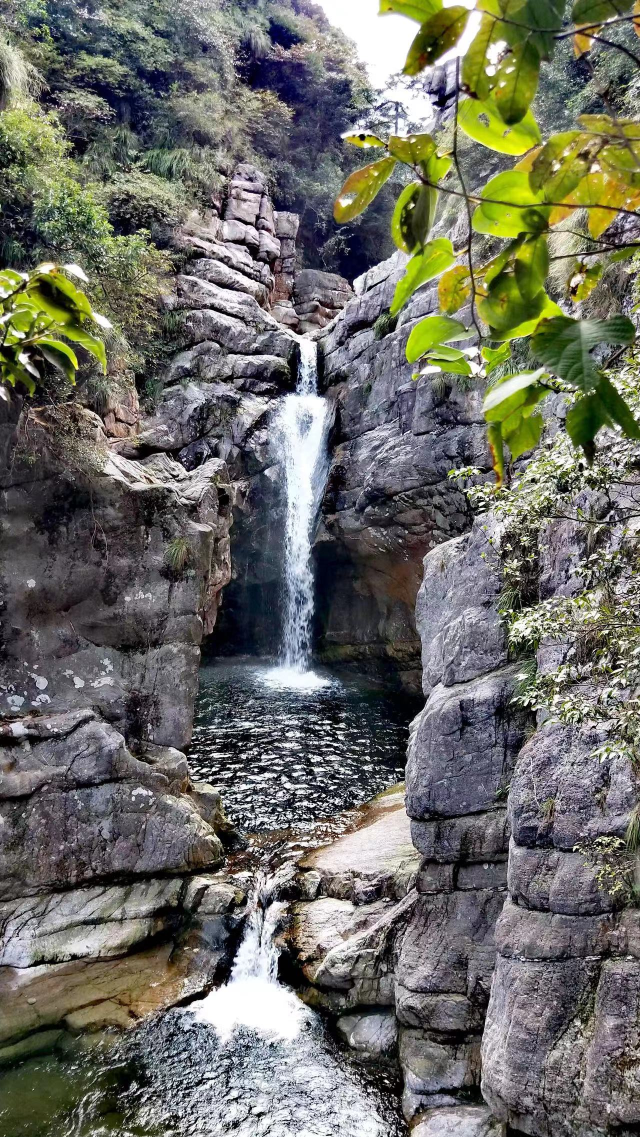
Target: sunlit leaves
[[509, 409], [482, 122], [531, 266], [436, 37], [474, 72], [604, 406], [412, 150], [509, 207], [562, 163], [361, 188], [419, 10], [516, 82], [35, 310], [494, 357], [454, 289], [432, 332], [437, 256], [565, 346]]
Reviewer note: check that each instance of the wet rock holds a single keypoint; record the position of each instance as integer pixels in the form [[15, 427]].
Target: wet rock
[[460, 1121], [372, 1035]]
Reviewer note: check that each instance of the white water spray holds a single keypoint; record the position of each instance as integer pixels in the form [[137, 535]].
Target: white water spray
[[300, 438], [253, 998]]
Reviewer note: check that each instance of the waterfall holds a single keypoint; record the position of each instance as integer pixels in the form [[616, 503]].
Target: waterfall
[[253, 998], [300, 440]]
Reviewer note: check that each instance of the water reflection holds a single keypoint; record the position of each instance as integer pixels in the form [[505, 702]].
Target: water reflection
[[285, 756]]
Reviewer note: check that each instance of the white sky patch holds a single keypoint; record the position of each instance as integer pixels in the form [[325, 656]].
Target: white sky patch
[[383, 41]]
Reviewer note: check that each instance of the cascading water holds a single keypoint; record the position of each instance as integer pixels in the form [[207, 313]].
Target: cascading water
[[253, 998], [300, 441]]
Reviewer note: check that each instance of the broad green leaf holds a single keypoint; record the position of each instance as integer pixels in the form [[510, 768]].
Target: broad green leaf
[[596, 11], [520, 331], [500, 394], [481, 122], [494, 267], [523, 434], [437, 167], [437, 256], [432, 332], [509, 207], [516, 82], [413, 216], [436, 37], [449, 354], [412, 150], [91, 343], [61, 292], [624, 254], [565, 345], [477, 60], [584, 280], [495, 356], [617, 408], [531, 266], [504, 307], [454, 288], [544, 17], [364, 141], [419, 10], [57, 311], [450, 366], [584, 419], [60, 356], [562, 163], [361, 188]]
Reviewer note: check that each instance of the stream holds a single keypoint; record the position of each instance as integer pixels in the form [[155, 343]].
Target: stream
[[292, 750]]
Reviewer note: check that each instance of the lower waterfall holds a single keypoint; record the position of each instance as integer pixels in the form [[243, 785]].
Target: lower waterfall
[[300, 441]]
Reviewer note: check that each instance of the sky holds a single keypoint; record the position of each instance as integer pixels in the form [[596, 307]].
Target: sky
[[383, 41]]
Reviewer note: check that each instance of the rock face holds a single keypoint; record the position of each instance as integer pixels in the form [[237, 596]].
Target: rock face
[[428, 960], [388, 499], [560, 1050], [111, 572], [319, 297]]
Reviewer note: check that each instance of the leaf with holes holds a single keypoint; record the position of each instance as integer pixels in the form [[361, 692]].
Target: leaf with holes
[[413, 216], [565, 346], [562, 163], [437, 256], [412, 150], [436, 37], [509, 207], [516, 82], [364, 141], [361, 188], [482, 122], [583, 280]]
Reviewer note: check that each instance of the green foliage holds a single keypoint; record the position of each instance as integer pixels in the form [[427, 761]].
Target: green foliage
[[178, 554], [588, 176], [36, 309]]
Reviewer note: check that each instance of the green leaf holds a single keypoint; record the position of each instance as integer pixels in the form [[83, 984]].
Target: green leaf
[[617, 408], [565, 345], [531, 266], [413, 216], [92, 344], [584, 419], [432, 332], [450, 366], [361, 188], [454, 289], [481, 122], [495, 356], [562, 163], [510, 207], [477, 59], [437, 167], [544, 17], [523, 435], [61, 292], [412, 150], [436, 37], [516, 82], [60, 356], [419, 10], [437, 256], [504, 391], [596, 11], [364, 141]]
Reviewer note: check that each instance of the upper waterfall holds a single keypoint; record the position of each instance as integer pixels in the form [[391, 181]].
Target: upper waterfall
[[300, 440]]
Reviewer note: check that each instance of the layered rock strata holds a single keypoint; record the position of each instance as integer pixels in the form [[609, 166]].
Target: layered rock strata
[[389, 498], [111, 572]]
